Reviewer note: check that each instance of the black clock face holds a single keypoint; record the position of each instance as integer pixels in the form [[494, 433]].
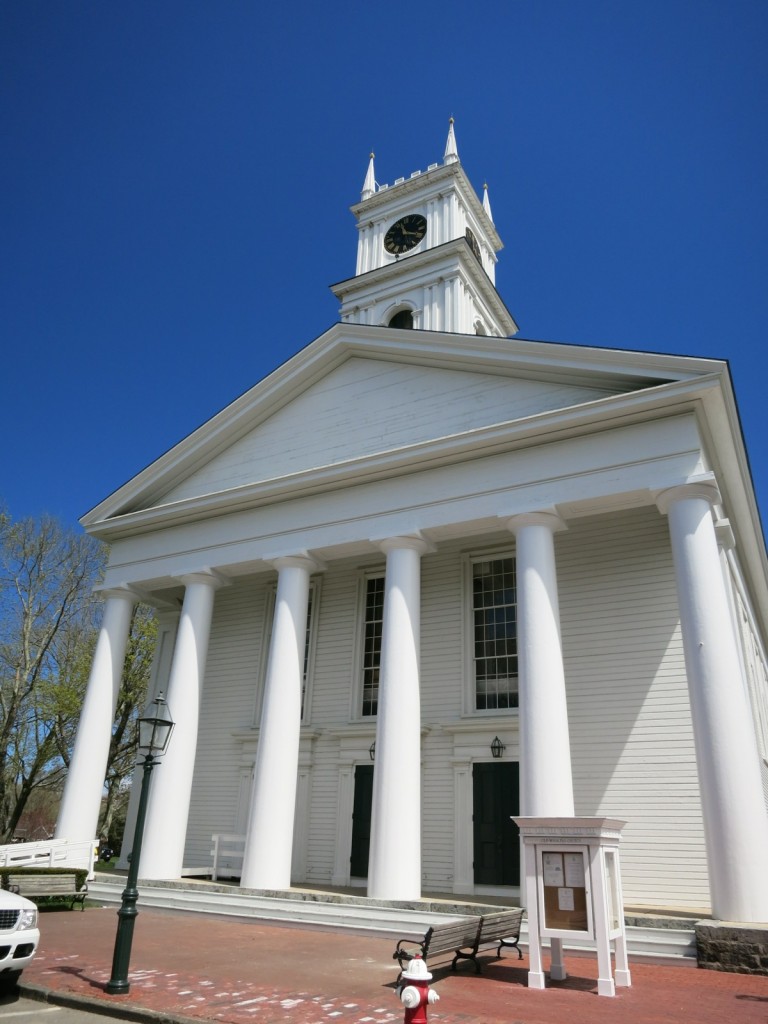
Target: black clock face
[[405, 234], [473, 245]]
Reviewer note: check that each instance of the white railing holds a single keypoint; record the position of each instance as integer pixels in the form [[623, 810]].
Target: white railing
[[227, 855], [50, 853]]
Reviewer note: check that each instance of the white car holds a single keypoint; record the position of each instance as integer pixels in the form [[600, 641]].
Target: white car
[[19, 936]]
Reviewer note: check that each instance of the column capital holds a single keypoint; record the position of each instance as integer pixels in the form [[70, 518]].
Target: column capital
[[301, 560], [412, 541], [551, 520], [209, 577], [706, 489]]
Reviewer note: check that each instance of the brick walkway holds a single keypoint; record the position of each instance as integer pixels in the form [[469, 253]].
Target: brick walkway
[[195, 967]]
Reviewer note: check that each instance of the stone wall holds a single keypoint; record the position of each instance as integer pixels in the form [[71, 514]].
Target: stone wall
[[737, 948]]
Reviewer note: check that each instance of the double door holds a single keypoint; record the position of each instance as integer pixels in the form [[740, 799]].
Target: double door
[[496, 837]]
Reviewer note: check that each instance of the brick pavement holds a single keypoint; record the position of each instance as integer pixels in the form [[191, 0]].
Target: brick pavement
[[196, 967]]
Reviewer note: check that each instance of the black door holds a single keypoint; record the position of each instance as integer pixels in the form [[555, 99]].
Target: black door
[[496, 790], [361, 820]]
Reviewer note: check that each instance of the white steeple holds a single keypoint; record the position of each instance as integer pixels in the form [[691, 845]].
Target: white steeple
[[369, 185], [487, 202], [451, 155], [426, 254]]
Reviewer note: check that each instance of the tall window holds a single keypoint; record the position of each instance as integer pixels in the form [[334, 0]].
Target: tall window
[[494, 621], [374, 615]]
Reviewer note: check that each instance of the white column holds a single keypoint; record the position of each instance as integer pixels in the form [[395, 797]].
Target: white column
[[165, 832], [546, 785], [735, 820], [81, 802], [269, 840], [394, 865]]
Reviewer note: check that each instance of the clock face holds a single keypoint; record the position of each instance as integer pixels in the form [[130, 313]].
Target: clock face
[[405, 234], [473, 245]]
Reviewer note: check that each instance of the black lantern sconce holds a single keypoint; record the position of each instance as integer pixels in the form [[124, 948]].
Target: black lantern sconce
[[372, 751], [497, 747]]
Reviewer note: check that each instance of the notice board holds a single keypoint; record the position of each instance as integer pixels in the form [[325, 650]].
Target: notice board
[[565, 890]]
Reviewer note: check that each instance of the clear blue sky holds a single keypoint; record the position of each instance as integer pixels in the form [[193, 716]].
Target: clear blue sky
[[176, 177]]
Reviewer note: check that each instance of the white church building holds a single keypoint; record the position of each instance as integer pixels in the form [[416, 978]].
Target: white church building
[[427, 576]]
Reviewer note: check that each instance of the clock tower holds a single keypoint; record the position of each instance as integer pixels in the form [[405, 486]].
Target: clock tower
[[426, 254]]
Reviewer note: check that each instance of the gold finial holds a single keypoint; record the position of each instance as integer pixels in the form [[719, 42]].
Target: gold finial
[[372, 156], [450, 120]]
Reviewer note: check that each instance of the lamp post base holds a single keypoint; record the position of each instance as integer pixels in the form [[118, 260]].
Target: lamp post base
[[117, 988]]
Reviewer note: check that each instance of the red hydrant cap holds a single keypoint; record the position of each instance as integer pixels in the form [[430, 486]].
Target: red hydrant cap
[[417, 970]]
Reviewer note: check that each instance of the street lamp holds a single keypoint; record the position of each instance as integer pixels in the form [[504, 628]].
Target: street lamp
[[155, 728]]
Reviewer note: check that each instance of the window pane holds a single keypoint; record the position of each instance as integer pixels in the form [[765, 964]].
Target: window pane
[[495, 633], [374, 613]]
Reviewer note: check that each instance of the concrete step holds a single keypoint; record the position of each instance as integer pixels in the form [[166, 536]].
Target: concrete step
[[669, 940]]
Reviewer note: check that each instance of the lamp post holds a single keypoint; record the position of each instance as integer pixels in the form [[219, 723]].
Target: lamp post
[[155, 729]]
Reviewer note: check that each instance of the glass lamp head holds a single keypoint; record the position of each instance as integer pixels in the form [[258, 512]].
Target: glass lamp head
[[155, 728]]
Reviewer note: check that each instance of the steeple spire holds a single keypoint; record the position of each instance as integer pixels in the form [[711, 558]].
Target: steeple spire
[[369, 185], [487, 203], [451, 155]]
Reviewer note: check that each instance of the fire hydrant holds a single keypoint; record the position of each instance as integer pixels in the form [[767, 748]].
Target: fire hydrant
[[416, 993]]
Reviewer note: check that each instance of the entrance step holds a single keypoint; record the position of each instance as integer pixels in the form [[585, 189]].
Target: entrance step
[[668, 939]]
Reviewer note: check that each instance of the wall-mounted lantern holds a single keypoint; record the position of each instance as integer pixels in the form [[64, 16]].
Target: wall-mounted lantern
[[497, 747]]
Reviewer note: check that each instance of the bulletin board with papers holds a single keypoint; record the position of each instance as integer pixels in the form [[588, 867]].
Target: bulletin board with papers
[[564, 879]]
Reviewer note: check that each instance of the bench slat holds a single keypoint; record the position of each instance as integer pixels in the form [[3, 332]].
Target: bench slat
[[42, 885], [501, 926], [502, 929], [464, 937], [440, 938]]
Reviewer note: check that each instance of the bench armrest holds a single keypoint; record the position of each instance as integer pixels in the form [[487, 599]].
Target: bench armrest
[[402, 954]]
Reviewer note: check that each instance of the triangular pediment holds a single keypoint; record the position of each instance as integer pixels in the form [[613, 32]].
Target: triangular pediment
[[370, 406], [360, 394]]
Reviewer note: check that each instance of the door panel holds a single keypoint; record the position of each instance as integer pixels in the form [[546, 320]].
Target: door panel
[[361, 820], [496, 794]]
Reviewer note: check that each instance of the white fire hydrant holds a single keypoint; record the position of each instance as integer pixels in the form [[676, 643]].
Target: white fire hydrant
[[416, 994]]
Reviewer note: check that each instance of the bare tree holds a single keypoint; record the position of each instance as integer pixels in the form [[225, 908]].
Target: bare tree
[[130, 704], [48, 624]]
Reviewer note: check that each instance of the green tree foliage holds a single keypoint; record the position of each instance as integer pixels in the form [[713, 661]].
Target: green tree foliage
[[49, 621]]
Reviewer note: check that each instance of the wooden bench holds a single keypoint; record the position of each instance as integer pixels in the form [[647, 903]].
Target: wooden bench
[[451, 937], [59, 886], [502, 928], [464, 937]]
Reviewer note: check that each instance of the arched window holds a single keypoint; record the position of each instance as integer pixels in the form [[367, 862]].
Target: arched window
[[402, 319]]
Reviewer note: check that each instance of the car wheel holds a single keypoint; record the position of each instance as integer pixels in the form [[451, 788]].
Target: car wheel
[[9, 980]]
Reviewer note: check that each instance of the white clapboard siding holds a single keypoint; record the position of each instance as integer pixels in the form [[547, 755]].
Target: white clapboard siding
[[331, 708], [630, 723], [367, 406], [229, 695], [442, 673]]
